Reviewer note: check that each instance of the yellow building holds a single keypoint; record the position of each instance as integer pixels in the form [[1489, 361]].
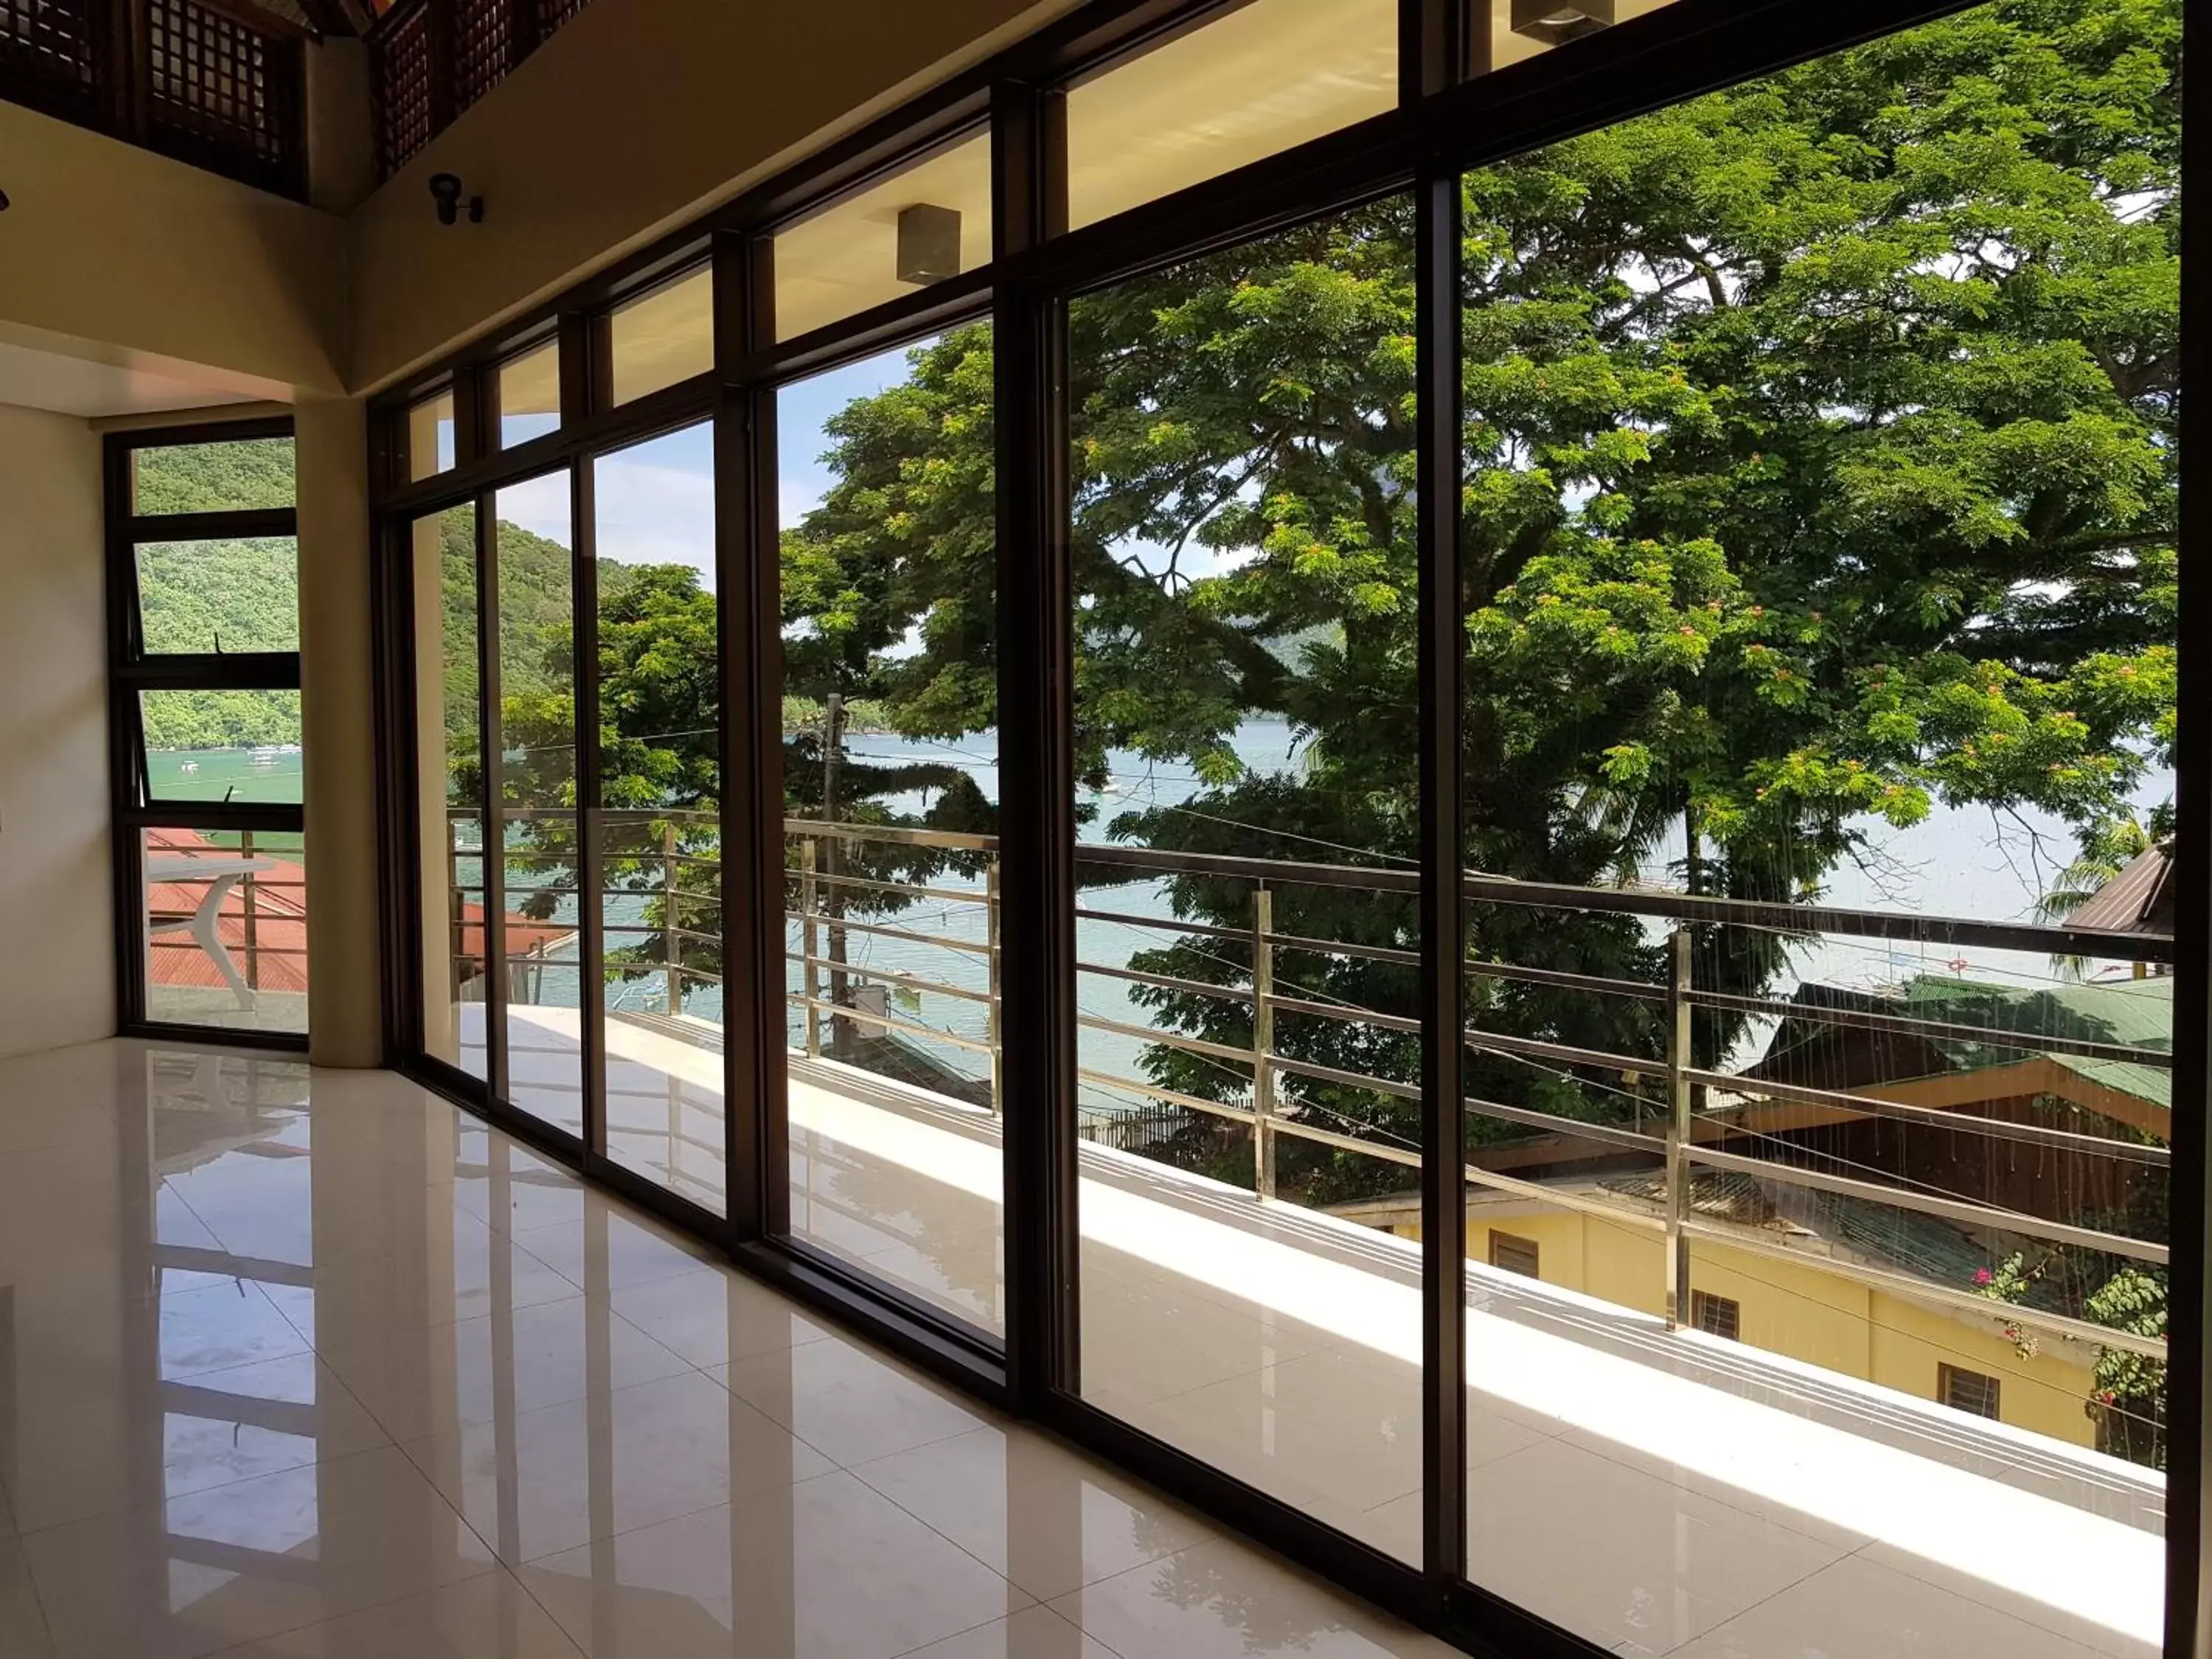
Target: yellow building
[[1806, 1313]]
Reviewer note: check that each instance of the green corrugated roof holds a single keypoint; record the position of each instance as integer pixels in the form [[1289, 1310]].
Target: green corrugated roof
[[2136, 1013]]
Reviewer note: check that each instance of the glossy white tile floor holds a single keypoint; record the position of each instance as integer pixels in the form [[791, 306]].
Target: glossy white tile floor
[[313, 1364], [1653, 1492]]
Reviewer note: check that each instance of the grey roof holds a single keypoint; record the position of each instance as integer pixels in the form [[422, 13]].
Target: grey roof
[[2138, 900]]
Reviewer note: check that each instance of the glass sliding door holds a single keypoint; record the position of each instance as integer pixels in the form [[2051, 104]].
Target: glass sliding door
[[450, 781], [1818, 1180], [1247, 915], [531, 602], [657, 829], [890, 789]]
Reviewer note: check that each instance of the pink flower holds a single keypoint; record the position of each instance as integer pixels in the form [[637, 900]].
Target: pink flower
[[1984, 1276]]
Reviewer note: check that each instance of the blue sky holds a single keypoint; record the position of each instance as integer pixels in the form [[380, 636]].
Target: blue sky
[[656, 500]]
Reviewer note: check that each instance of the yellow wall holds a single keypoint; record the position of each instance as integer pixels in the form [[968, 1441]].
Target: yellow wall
[[635, 116], [1823, 1319], [56, 891], [124, 252]]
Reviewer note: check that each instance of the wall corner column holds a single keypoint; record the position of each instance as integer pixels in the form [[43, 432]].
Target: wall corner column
[[345, 977]]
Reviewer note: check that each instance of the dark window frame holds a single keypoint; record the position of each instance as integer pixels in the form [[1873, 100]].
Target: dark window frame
[[1980, 1388], [1716, 1316], [1447, 123], [132, 670], [1508, 1251]]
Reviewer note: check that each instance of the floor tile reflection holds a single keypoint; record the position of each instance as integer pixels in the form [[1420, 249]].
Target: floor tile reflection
[[849, 1403], [547, 1481], [250, 1559], [1221, 1602], [311, 1365], [827, 1570], [1050, 1519], [489, 1618], [23, 1626]]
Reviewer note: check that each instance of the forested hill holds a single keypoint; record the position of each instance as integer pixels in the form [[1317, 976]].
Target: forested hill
[[233, 596]]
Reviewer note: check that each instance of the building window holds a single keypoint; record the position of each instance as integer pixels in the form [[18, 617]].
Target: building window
[[1515, 1255], [1963, 1391], [205, 704], [1716, 1316]]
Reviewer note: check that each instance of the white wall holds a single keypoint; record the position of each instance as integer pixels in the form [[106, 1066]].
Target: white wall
[[57, 949]]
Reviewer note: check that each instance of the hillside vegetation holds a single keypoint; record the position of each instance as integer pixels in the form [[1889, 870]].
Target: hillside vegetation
[[238, 596]]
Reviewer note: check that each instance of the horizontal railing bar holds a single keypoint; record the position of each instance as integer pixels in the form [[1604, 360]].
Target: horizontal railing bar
[[1961, 1210], [893, 835], [1337, 1138], [1502, 890], [1566, 1054], [1538, 1193], [1611, 1134], [1219, 1108], [1344, 1015], [1935, 1117], [1342, 1079], [1821, 918], [799, 999], [887, 977], [1288, 873], [1331, 948], [1170, 1039], [1913, 1026], [876, 928], [1204, 930], [1597, 983], [1923, 1289], [1165, 982], [975, 895], [642, 969]]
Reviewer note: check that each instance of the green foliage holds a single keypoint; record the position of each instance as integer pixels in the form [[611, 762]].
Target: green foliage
[[226, 596], [220, 596], [220, 719], [1820, 467], [1818, 438], [215, 477]]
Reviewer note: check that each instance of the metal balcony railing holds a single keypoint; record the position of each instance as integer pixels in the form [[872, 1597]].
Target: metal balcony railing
[[1681, 1141]]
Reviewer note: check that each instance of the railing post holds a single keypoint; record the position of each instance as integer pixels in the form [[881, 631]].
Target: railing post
[[1678, 1126], [1263, 1044], [810, 947], [251, 900], [672, 972], [991, 936]]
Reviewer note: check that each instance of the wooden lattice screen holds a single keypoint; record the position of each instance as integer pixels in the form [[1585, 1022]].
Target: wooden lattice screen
[[483, 48], [551, 14], [54, 56], [223, 96], [432, 59], [201, 85], [400, 85]]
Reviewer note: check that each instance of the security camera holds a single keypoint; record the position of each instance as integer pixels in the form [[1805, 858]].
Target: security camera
[[445, 191]]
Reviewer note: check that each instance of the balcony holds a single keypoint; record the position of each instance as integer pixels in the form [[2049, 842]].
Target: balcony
[[1631, 1476]]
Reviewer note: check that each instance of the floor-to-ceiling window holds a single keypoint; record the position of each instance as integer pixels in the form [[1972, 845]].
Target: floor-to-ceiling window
[[890, 785], [1246, 922], [1792, 582], [1724, 563], [657, 840], [204, 599]]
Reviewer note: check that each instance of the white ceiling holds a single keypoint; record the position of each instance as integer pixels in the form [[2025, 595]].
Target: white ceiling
[[66, 385]]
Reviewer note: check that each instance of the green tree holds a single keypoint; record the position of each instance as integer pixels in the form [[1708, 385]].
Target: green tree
[[1819, 448]]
